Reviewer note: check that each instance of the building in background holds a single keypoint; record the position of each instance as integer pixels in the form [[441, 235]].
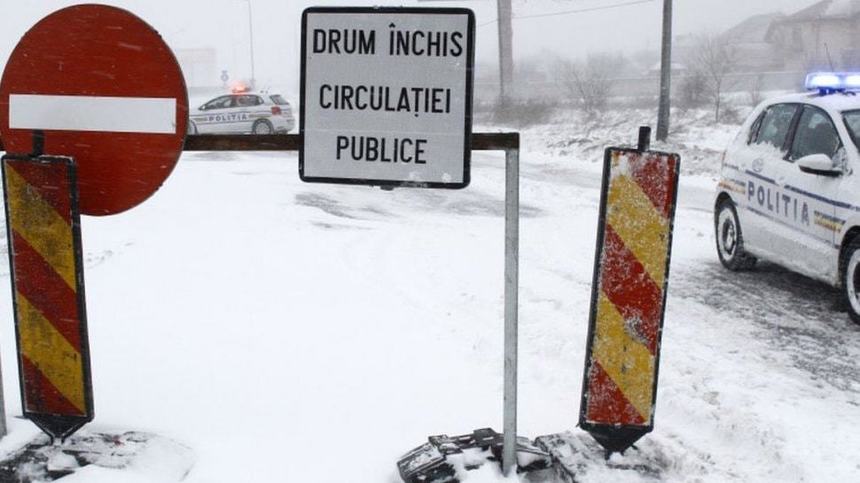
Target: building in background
[[200, 67], [768, 52], [753, 50], [825, 35]]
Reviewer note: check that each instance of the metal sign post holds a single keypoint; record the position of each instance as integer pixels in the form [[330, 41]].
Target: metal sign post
[[512, 273], [510, 144], [3, 429], [386, 100], [628, 300]]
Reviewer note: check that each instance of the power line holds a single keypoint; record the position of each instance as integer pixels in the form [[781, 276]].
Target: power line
[[569, 12]]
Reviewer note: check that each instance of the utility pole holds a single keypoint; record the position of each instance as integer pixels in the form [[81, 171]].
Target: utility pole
[[665, 73], [251, 43], [506, 54]]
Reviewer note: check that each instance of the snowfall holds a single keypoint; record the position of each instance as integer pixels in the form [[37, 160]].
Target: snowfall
[[269, 330]]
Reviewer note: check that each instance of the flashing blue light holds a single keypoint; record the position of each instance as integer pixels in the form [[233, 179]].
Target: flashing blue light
[[852, 81], [833, 81]]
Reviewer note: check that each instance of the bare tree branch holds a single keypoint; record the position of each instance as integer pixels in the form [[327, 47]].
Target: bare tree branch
[[590, 82], [714, 59]]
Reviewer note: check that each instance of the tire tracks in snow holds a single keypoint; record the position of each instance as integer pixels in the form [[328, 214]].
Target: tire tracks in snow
[[797, 316]]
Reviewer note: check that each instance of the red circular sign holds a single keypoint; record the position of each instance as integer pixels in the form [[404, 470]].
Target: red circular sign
[[106, 90]]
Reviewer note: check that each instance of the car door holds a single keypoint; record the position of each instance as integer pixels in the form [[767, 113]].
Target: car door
[[247, 111], [214, 116], [808, 200], [758, 164]]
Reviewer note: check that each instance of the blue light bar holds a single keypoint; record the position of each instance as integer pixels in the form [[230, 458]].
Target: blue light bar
[[833, 81], [852, 81]]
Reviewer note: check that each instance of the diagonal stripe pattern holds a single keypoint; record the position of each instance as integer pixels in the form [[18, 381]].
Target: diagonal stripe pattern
[[628, 303], [47, 287]]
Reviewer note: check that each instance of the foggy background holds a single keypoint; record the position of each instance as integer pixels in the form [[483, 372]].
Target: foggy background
[[212, 36]]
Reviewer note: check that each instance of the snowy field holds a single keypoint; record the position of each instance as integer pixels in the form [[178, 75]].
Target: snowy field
[[289, 332]]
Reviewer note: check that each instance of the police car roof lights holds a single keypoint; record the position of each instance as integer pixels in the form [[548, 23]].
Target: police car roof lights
[[240, 89], [832, 82]]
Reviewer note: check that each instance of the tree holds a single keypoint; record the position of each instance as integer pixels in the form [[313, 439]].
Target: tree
[[755, 90], [692, 91], [590, 81], [714, 59]]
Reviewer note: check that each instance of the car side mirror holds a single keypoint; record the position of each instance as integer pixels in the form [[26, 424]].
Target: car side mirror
[[819, 164]]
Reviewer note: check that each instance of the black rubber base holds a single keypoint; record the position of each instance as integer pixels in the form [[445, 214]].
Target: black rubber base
[[58, 427], [615, 439]]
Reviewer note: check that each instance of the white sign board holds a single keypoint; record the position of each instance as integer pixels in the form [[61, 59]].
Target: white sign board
[[387, 96]]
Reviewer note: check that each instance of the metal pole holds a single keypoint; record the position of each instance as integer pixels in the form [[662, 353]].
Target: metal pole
[[251, 33], [2, 408], [512, 249], [665, 73], [644, 143], [506, 54]]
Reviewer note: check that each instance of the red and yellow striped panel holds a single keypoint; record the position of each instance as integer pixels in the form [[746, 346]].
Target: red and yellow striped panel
[[44, 236], [632, 271]]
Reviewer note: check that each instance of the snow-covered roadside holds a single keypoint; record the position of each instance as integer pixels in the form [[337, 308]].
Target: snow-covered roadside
[[577, 136], [313, 333]]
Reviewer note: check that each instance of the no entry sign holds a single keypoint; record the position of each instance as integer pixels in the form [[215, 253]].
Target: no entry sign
[[387, 96], [107, 91], [97, 87]]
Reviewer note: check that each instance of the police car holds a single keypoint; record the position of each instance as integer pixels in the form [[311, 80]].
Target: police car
[[790, 186], [243, 112]]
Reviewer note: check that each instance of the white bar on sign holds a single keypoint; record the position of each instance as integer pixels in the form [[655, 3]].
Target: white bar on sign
[[91, 113]]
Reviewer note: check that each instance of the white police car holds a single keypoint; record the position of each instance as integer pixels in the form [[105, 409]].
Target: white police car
[[243, 112], [790, 186]]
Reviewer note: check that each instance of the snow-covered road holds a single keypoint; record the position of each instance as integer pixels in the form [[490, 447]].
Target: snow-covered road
[[312, 333]]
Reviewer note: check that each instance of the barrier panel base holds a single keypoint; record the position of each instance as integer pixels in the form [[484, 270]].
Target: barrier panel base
[[576, 456]]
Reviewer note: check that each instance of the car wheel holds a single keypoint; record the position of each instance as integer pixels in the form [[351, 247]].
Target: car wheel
[[263, 127], [850, 274], [192, 128], [730, 240]]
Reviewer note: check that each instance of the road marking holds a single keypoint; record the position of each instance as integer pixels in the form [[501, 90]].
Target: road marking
[[92, 113]]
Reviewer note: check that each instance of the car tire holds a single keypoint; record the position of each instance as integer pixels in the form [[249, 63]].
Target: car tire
[[730, 240], [192, 128], [849, 274], [263, 127]]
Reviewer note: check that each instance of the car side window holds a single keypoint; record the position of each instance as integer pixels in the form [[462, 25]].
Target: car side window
[[775, 125], [222, 102], [815, 134], [247, 101], [754, 128]]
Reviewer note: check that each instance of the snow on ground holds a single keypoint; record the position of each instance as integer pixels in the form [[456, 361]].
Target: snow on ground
[[584, 137], [313, 333]]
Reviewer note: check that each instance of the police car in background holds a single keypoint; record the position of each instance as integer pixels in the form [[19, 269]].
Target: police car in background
[[243, 112], [790, 186]]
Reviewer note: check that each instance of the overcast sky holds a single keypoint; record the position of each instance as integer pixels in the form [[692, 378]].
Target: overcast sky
[[223, 25]]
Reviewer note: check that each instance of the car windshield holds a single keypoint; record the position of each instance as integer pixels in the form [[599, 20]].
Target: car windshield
[[852, 121]]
